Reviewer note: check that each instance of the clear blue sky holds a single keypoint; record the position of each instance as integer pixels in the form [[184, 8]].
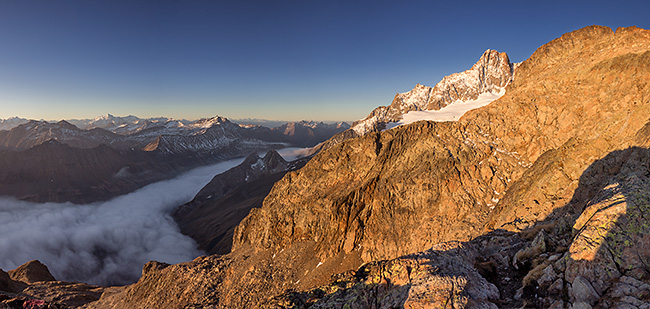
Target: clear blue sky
[[289, 60]]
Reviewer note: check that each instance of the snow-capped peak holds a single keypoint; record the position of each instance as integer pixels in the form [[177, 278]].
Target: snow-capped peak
[[104, 117], [209, 122], [489, 75]]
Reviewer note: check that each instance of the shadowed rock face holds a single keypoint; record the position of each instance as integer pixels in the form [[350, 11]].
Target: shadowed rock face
[[55, 172], [210, 218], [520, 160]]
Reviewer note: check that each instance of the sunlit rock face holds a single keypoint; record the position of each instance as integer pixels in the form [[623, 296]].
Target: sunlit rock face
[[454, 180]]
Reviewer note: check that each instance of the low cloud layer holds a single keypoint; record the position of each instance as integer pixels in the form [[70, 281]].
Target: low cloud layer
[[293, 153], [103, 243]]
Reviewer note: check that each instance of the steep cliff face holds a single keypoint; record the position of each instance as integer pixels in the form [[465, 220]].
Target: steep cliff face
[[536, 161], [490, 73]]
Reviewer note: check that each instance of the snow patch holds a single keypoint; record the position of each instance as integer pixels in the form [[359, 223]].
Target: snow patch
[[259, 165], [451, 112]]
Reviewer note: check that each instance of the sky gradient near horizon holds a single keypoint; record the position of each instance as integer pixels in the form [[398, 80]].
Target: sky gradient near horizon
[[282, 60]]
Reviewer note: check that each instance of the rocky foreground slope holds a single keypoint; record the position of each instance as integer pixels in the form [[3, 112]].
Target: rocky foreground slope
[[539, 199]]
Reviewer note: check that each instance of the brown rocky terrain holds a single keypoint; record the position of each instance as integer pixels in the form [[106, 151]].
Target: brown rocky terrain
[[457, 180], [539, 199], [595, 257]]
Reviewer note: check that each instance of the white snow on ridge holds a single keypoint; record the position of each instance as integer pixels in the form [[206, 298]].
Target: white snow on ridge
[[451, 112]]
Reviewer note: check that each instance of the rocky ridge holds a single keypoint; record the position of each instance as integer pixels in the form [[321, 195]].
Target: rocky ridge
[[579, 97], [126, 125], [505, 166]]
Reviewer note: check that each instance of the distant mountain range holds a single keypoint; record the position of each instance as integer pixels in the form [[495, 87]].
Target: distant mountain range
[[124, 153], [133, 132], [131, 124], [10, 123]]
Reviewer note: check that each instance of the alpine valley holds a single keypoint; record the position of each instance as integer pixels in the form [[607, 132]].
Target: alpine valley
[[507, 185], [108, 156]]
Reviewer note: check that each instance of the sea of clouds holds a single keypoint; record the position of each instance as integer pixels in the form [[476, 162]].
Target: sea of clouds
[[105, 243]]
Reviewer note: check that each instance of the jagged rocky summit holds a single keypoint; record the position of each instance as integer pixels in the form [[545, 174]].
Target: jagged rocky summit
[[490, 74]]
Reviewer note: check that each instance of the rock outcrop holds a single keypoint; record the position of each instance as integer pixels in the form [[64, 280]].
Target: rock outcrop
[[32, 286], [449, 274], [31, 272]]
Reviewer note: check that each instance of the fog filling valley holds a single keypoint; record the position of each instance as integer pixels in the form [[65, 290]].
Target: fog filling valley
[[106, 243]]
